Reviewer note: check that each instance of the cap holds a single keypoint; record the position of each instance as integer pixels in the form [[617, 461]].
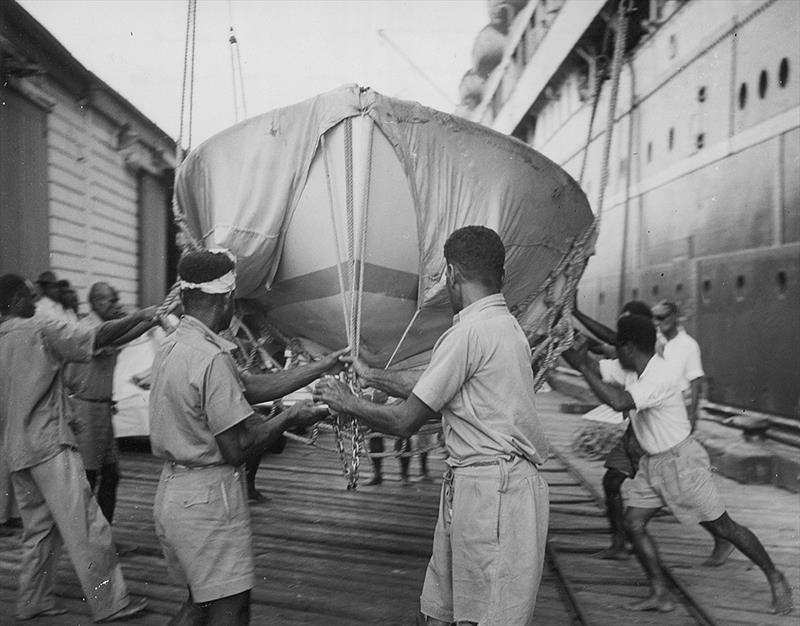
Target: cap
[[46, 278]]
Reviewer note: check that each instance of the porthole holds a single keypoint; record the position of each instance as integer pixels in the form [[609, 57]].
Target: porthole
[[700, 140], [654, 291], [671, 138], [673, 46], [763, 80], [783, 72], [701, 94], [742, 95], [678, 289], [705, 291], [740, 284], [781, 283]]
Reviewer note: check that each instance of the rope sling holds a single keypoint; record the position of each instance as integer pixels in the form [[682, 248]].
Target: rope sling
[[549, 337]]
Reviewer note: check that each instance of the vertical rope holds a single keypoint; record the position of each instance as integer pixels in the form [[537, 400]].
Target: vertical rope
[[616, 68], [339, 259], [350, 212], [402, 339], [359, 294]]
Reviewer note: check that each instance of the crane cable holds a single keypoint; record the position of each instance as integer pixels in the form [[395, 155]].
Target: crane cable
[[239, 101]]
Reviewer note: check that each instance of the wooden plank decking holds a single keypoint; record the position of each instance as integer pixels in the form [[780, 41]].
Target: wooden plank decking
[[336, 558]]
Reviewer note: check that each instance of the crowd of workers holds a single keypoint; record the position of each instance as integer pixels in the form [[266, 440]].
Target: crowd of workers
[[489, 541]]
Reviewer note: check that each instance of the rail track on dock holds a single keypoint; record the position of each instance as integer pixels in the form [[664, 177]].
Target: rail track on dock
[[594, 590]]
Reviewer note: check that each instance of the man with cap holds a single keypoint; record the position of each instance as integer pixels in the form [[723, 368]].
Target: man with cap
[[203, 426], [489, 541], [55, 503], [674, 470]]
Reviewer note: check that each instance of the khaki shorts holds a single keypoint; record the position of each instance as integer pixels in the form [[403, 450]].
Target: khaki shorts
[[488, 546], [203, 523], [679, 478]]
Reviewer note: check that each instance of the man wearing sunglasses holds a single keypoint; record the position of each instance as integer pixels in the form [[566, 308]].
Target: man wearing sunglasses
[[682, 351]]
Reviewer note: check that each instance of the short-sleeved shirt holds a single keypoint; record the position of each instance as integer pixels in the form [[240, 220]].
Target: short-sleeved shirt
[[33, 413], [93, 380], [196, 394], [660, 421], [683, 353], [480, 378]]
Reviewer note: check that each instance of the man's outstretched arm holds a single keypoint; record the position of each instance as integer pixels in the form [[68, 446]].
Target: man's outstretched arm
[[396, 383], [615, 397], [127, 328], [253, 436], [399, 420], [267, 387]]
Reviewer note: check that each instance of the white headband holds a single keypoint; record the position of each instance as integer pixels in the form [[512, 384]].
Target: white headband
[[224, 284]]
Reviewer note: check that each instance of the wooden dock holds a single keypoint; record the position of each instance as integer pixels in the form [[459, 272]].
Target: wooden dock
[[326, 556]]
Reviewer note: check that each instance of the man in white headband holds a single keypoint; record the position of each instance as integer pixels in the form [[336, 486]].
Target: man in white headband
[[202, 425]]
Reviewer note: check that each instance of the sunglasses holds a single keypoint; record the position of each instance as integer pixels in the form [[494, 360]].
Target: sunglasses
[[661, 318]]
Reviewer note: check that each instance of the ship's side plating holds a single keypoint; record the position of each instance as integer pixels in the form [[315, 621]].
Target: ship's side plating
[[703, 199]]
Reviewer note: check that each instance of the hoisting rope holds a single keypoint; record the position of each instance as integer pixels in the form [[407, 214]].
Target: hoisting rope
[[236, 64], [554, 332], [595, 439]]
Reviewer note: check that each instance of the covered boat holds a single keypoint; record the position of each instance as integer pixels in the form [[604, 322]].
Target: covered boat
[[337, 209]]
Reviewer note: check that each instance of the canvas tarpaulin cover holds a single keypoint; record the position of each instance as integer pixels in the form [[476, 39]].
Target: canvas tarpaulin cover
[[304, 193]]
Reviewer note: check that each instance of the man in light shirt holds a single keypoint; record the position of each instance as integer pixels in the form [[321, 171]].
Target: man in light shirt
[[489, 542], [682, 351], [675, 469]]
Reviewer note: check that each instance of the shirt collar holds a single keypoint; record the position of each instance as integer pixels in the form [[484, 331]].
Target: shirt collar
[[487, 302], [193, 325]]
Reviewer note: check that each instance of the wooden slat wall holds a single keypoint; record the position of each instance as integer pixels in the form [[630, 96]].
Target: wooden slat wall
[[94, 225]]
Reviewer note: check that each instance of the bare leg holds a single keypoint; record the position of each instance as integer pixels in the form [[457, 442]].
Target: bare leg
[[722, 550], [376, 445], [253, 494], [612, 482], [646, 551], [749, 545]]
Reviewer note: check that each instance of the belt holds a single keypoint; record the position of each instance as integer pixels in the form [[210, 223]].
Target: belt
[[181, 466], [93, 400], [489, 462]]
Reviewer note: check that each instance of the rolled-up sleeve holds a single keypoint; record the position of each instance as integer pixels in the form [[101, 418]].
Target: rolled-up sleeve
[[449, 368], [647, 393], [225, 404], [69, 341]]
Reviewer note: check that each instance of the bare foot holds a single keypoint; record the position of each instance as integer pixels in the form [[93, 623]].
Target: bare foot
[[655, 602], [613, 554], [781, 594], [722, 550]]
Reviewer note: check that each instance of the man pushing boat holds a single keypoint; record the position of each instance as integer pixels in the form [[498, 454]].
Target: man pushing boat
[[489, 542]]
